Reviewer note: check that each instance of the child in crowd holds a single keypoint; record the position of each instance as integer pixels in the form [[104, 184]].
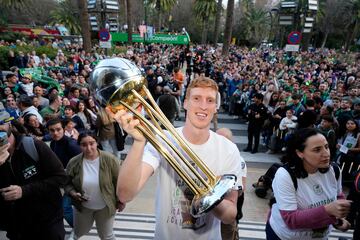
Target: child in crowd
[[70, 130], [288, 124], [26, 85]]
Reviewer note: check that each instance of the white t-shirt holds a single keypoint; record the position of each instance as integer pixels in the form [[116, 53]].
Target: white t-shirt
[[91, 185], [316, 190], [173, 219]]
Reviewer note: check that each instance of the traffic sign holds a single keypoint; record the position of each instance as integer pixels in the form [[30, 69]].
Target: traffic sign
[[292, 47], [104, 35], [104, 44], [294, 37]]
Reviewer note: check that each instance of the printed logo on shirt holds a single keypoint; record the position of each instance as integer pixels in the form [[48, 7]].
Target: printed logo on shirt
[[318, 189], [181, 204], [29, 172]]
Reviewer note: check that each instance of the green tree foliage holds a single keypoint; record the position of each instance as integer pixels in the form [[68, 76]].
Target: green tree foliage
[[67, 14], [161, 6], [258, 22], [252, 24], [352, 21], [17, 4], [204, 10]]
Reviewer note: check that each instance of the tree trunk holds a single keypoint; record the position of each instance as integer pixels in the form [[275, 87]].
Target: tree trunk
[[204, 31], [158, 13], [228, 26], [306, 41], [354, 32], [129, 21], [124, 5], [85, 26], [324, 40], [217, 22], [348, 39]]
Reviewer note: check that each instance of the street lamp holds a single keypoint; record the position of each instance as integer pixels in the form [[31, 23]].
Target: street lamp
[[187, 34]]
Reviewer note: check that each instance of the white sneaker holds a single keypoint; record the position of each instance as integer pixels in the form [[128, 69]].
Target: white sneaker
[[283, 149]]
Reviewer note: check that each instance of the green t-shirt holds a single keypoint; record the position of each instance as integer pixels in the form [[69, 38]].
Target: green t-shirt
[[49, 111]]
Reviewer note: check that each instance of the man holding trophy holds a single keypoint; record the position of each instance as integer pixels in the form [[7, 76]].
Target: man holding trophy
[[199, 171]]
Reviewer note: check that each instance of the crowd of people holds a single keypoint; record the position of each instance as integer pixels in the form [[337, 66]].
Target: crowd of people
[[276, 92]]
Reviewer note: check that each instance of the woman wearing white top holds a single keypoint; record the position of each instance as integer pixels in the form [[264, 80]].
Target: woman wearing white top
[[92, 187], [308, 193]]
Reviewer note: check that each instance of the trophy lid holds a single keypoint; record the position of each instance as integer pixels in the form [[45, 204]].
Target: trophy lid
[[113, 79]]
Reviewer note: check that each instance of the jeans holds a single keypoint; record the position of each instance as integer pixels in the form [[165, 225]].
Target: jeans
[[270, 234], [84, 220], [110, 146], [68, 210]]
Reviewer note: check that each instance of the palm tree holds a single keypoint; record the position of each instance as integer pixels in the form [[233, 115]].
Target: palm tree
[[66, 14], [161, 6], [16, 4], [85, 26], [353, 22], [258, 22], [129, 20], [204, 9], [219, 9], [228, 26], [247, 5], [330, 18]]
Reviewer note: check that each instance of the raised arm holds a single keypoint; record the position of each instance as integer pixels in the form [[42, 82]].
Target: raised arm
[[134, 172]]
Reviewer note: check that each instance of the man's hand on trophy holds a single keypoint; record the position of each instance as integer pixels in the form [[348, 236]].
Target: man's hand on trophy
[[128, 123]]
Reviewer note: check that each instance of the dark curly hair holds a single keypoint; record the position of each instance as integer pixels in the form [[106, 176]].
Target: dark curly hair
[[296, 142]]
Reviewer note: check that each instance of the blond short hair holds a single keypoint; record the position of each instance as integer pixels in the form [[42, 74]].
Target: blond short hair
[[201, 82]]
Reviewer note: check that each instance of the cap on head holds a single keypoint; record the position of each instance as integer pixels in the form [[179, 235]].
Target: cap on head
[[28, 76]]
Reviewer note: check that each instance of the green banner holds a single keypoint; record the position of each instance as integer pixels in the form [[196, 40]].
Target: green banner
[[156, 38]]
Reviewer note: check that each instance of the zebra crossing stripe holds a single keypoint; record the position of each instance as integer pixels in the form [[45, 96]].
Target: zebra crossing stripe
[[142, 227]]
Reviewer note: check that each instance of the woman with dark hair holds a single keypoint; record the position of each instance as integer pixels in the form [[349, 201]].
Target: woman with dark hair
[[308, 192], [34, 127], [274, 99], [92, 187], [91, 105], [84, 115], [5, 92], [349, 149]]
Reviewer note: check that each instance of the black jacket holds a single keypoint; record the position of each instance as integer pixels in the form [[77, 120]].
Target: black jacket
[[65, 149], [257, 109], [41, 202]]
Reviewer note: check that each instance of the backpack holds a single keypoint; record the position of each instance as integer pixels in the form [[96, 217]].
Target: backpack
[[294, 179], [29, 146]]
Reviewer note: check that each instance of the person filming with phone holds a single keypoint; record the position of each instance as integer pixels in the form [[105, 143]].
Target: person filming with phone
[[92, 187]]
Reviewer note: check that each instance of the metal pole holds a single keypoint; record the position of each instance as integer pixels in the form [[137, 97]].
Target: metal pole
[[102, 17], [145, 10]]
